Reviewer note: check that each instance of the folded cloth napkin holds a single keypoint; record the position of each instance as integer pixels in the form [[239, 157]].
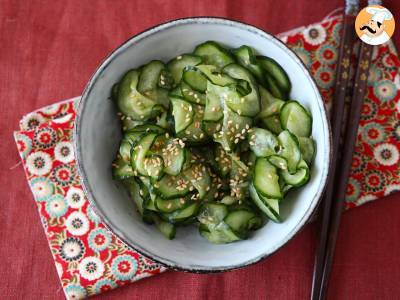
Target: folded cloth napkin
[[90, 259]]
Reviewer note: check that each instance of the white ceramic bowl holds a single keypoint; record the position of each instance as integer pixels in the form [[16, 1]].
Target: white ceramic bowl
[[97, 136]]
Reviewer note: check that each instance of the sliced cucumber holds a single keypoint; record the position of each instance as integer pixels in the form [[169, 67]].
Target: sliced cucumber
[[273, 87], [278, 161], [199, 177], [277, 72], [132, 103], [212, 213], [171, 205], [234, 128], [263, 206], [299, 178], [181, 215], [146, 128], [191, 95], [263, 142], [150, 76], [213, 111], [121, 169], [289, 149], [296, 119], [307, 149], [194, 134], [134, 192], [125, 150], [213, 54], [183, 114], [177, 65], [266, 180], [147, 166], [167, 229], [269, 105], [220, 234], [223, 160], [246, 57], [250, 105], [195, 79], [273, 124], [212, 74], [170, 187], [239, 220], [174, 156]]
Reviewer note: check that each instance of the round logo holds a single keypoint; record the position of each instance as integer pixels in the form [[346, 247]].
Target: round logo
[[375, 25]]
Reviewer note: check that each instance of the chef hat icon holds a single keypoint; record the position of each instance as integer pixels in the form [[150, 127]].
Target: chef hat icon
[[379, 14]]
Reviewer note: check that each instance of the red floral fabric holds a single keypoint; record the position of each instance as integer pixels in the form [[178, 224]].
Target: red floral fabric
[[90, 259]]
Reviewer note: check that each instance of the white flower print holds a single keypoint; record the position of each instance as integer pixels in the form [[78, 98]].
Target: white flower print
[[77, 223], [75, 197], [314, 35], [72, 249], [64, 152], [39, 163], [63, 119], [91, 268], [386, 154], [51, 109], [31, 121]]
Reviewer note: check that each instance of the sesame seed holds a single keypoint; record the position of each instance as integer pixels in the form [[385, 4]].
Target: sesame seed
[[179, 57]]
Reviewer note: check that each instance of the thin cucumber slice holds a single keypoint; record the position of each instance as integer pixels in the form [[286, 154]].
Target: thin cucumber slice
[[147, 166], [121, 169], [273, 124], [307, 149], [170, 187], [181, 215], [183, 114], [125, 150], [174, 156], [212, 74], [212, 213], [250, 105], [296, 119], [299, 178], [195, 79], [167, 229], [289, 149], [171, 205], [210, 127], [199, 177], [220, 234], [147, 128], [176, 92], [213, 111], [177, 65], [213, 54], [128, 123], [269, 105], [238, 180], [191, 95], [166, 80], [134, 192], [272, 86], [278, 161], [234, 128], [239, 220], [246, 57], [266, 180], [194, 134], [150, 76], [223, 160], [262, 142], [132, 103], [277, 72], [263, 206]]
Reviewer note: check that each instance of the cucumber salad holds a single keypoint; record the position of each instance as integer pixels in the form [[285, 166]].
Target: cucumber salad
[[211, 139]]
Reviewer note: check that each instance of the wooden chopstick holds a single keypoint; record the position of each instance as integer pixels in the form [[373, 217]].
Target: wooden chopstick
[[337, 117], [342, 176]]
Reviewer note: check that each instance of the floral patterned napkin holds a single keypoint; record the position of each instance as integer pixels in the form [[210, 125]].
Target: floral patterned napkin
[[90, 259]]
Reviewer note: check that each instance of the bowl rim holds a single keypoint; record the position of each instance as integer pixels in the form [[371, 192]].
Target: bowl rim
[[161, 27]]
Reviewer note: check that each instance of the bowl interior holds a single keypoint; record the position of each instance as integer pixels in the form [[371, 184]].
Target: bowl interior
[[98, 135]]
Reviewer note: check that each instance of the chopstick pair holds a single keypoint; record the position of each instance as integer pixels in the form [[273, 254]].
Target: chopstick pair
[[343, 143]]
